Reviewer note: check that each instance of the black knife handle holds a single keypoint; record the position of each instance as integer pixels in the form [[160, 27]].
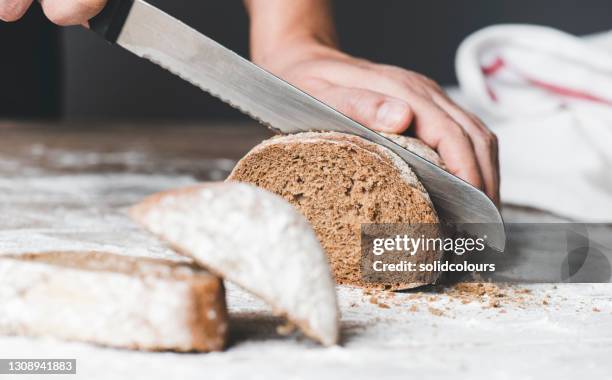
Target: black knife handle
[[109, 22]]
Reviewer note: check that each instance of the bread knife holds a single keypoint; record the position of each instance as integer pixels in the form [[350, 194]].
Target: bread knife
[[152, 34]]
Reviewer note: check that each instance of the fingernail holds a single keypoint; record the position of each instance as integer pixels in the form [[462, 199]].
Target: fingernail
[[391, 114]]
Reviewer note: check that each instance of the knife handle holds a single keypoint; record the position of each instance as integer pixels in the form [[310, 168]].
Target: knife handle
[[109, 22]]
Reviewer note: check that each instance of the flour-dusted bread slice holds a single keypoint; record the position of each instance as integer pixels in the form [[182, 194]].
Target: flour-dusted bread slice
[[112, 300], [254, 239], [340, 182]]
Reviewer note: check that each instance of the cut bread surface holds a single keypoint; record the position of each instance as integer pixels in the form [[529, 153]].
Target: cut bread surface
[[340, 182], [113, 300], [254, 239]]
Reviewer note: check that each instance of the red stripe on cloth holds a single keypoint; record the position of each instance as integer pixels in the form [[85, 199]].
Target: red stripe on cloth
[[568, 92], [499, 64], [492, 94], [494, 67], [490, 70]]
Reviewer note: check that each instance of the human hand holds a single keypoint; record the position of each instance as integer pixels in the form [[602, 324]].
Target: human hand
[[391, 99], [60, 12]]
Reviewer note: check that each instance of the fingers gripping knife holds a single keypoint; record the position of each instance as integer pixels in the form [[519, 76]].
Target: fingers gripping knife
[[152, 34]]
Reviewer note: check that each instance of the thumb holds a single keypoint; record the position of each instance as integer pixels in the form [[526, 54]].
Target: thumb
[[372, 109]]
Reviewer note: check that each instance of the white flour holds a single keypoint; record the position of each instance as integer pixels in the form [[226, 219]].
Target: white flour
[[71, 213], [566, 339]]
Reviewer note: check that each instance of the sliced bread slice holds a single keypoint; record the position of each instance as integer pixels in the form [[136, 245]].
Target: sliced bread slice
[[112, 300], [340, 182], [254, 239]]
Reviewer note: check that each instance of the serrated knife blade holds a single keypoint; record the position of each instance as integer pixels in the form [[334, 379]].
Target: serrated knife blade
[[152, 34]]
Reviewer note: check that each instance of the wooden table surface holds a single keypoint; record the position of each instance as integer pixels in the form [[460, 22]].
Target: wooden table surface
[[557, 331], [163, 144]]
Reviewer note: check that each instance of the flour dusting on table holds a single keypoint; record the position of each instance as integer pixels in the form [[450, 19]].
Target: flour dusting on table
[[65, 205]]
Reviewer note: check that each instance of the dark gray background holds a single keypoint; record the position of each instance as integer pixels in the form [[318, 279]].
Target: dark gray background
[[98, 81]]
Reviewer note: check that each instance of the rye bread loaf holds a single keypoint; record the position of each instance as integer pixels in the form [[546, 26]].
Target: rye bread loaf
[[112, 300], [255, 239], [340, 182]]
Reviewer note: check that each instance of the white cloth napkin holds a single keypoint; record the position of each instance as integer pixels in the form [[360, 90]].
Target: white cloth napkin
[[548, 97]]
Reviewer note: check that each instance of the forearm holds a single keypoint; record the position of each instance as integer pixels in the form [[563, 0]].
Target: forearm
[[277, 23]]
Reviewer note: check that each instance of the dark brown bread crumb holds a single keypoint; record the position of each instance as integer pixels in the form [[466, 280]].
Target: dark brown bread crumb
[[487, 295]]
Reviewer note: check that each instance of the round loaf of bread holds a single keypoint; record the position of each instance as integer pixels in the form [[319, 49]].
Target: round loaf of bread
[[340, 182]]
